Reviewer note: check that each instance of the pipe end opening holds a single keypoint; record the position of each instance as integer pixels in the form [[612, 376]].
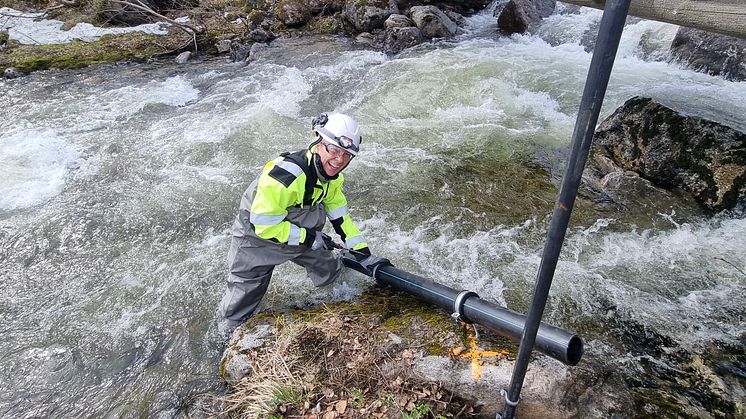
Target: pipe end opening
[[574, 350]]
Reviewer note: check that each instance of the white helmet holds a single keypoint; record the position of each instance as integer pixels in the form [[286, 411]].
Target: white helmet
[[339, 129]]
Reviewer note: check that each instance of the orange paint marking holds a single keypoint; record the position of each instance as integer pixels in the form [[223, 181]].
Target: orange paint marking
[[475, 354]]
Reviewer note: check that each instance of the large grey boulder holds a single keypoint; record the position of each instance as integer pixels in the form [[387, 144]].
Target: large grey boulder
[[710, 53], [397, 21], [293, 13], [369, 15], [517, 16], [398, 39], [674, 151], [432, 22]]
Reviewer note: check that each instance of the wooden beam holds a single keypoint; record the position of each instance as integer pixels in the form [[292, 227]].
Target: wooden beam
[[727, 17]]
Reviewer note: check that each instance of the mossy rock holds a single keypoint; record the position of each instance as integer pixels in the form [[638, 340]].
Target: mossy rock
[[327, 25], [133, 46]]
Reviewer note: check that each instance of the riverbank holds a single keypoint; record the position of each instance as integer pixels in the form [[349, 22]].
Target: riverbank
[[76, 26], [385, 355], [216, 27]]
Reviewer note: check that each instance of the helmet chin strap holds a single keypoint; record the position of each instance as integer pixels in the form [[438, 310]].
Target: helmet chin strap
[[320, 172]]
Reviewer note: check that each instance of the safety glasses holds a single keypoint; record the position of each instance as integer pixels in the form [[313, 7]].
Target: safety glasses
[[336, 151]]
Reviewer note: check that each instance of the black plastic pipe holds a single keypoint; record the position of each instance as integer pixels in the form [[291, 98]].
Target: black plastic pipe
[[599, 72], [558, 343]]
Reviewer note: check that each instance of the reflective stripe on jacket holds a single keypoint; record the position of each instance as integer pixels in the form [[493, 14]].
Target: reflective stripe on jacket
[[288, 201]]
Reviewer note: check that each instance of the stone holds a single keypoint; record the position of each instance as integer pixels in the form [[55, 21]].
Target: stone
[[715, 54], [705, 159], [457, 18], [236, 361], [369, 15], [365, 38], [183, 57], [260, 35], [397, 21], [239, 52], [398, 39], [223, 46], [293, 13], [432, 22], [326, 7], [257, 50], [516, 16], [12, 73]]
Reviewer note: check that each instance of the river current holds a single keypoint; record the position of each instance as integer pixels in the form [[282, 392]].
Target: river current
[[118, 185]]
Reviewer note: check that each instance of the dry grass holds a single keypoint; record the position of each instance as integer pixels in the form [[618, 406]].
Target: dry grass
[[336, 365]]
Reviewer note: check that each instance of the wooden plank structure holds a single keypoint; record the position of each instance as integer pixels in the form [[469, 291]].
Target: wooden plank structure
[[727, 17]]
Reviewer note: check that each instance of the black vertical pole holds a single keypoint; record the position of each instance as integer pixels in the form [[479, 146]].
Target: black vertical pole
[[607, 42]]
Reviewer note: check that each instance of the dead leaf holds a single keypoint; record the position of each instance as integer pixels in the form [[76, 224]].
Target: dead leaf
[[330, 353], [341, 406], [330, 415]]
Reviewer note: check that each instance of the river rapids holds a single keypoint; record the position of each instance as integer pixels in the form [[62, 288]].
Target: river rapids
[[119, 183]]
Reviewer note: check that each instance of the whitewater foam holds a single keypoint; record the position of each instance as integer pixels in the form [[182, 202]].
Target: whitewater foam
[[33, 167]]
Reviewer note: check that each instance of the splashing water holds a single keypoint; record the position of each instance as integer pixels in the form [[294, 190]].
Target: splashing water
[[118, 193]]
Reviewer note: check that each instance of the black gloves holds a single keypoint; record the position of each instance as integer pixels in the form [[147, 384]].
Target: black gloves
[[316, 240], [372, 262]]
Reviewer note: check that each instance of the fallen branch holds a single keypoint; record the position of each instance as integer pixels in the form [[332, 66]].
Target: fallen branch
[[189, 29]]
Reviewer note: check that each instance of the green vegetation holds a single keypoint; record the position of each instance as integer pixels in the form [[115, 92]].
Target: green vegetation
[[420, 411], [134, 46]]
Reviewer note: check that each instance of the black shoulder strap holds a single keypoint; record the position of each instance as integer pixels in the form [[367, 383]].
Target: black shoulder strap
[[299, 158]]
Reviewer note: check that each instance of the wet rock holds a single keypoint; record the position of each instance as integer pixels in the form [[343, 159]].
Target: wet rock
[[541, 396], [457, 18], [673, 151], [239, 52], [397, 21], [293, 13], [257, 50], [432, 22], [236, 361], [398, 39], [368, 15], [12, 73], [3, 39], [183, 57], [706, 52], [366, 38], [326, 7], [516, 16], [261, 35], [588, 40], [223, 46]]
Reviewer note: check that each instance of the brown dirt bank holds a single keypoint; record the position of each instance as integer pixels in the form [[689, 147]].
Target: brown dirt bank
[[368, 358]]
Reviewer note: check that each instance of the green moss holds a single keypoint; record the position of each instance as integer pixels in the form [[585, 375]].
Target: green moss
[[134, 46], [326, 25]]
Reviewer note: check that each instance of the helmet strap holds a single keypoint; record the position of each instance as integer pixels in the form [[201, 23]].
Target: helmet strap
[[319, 168]]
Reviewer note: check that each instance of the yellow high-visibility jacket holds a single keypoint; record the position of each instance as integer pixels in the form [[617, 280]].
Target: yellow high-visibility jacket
[[288, 202]]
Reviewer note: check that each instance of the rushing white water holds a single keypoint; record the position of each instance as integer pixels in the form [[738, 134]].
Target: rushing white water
[[119, 185]]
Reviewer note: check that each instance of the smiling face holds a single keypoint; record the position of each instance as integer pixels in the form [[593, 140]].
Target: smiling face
[[333, 158]]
